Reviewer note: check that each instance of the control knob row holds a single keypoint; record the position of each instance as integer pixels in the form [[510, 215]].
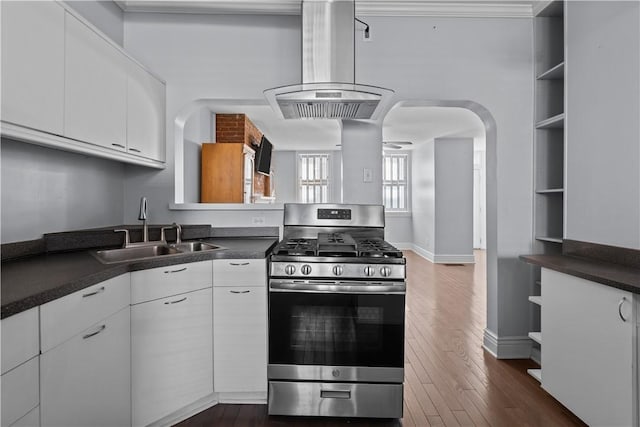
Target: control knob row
[[371, 271], [338, 270]]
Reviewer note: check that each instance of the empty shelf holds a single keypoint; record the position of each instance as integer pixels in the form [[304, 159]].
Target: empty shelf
[[549, 239], [551, 191], [555, 122], [553, 73], [535, 373], [536, 336], [535, 299]]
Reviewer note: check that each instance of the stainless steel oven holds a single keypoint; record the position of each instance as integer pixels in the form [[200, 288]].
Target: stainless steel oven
[[336, 322]]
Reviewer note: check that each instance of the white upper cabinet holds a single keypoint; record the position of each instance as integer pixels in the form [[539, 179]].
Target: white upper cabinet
[[33, 65], [95, 88], [145, 114]]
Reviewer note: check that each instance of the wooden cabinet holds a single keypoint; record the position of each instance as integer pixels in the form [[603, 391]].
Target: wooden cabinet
[[588, 359], [172, 339], [95, 88], [85, 381], [240, 326], [20, 366], [145, 114], [227, 173], [33, 65], [171, 354]]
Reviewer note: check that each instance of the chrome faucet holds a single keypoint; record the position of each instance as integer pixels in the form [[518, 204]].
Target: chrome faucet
[[142, 216], [178, 228]]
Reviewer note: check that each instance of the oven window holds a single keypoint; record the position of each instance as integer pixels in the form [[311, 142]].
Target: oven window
[[336, 329]]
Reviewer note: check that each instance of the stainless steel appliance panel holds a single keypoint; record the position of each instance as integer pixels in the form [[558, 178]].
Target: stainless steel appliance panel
[[335, 373], [335, 399], [339, 270]]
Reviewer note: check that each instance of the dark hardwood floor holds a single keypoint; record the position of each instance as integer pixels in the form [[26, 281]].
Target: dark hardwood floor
[[449, 379]]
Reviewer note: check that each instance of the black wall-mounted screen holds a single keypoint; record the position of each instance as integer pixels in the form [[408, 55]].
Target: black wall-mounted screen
[[263, 156]]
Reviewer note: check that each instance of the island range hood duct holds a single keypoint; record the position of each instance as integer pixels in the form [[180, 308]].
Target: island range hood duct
[[328, 89]]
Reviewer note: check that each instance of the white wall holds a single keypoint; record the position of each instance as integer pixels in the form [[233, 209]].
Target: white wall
[[488, 61], [46, 191], [603, 122], [453, 199], [362, 162], [423, 197], [105, 15], [197, 129]]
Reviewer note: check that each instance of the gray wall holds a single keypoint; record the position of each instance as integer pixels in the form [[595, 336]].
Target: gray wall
[[361, 151], [46, 191], [423, 197], [197, 129], [488, 61], [105, 15], [453, 197], [603, 123]]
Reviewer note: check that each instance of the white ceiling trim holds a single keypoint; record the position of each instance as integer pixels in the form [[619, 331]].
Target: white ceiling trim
[[475, 9]]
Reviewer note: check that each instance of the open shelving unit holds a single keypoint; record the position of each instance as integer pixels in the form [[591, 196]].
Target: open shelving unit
[[549, 149]]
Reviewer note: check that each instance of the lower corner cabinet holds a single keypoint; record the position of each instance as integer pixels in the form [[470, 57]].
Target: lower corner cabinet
[[240, 339], [171, 354], [588, 361], [85, 381]]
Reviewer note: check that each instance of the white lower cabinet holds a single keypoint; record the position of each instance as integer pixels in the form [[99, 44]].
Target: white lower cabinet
[[85, 381], [240, 338], [32, 419], [171, 354], [19, 391], [589, 359]]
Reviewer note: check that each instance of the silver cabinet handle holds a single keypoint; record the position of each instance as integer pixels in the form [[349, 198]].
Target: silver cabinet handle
[[135, 150], [335, 394], [96, 292], [175, 271], [238, 263], [118, 145], [100, 329], [622, 301], [240, 292], [176, 301]]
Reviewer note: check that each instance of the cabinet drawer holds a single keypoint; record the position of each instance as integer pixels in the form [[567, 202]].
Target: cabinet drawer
[[239, 272], [19, 338], [67, 316], [32, 419], [163, 282], [19, 391]]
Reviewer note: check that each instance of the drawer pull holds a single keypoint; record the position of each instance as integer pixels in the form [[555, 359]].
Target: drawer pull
[[240, 292], [118, 145], [175, 302], [90, 294], [335, 394], [100, 329], [135, 150], [622, 301], [175, 271], [238, 263]]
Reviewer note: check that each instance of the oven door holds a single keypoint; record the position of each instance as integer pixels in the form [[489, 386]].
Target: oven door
[[336, 332]]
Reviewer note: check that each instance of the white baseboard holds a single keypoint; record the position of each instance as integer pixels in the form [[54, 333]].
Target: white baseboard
[[187, 412], [257, 398], [443, 258], [518, 347]]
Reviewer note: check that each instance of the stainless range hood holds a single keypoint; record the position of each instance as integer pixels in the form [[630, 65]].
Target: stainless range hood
[[328, 89]]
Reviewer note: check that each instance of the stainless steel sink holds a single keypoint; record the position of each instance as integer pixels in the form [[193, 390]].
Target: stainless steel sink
[[194, 246], [136, 253]]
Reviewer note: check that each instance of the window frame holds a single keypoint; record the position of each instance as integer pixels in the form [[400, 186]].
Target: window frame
[[406, 183], [299, 181]]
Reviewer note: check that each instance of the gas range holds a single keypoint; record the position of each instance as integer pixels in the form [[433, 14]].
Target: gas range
[[336, 314]]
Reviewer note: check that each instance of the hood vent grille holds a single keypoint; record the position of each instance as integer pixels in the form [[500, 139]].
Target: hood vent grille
[[328, 90]]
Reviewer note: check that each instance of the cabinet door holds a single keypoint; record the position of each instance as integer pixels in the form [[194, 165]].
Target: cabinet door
[[240, 334], [19, 391], [33, 64], [171, 354], [587, 357], [86, 380], [95, 88], [20, 335], [145, 114]]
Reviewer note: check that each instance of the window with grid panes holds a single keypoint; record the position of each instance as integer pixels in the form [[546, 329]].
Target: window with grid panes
[[313, 178], [395, 182]]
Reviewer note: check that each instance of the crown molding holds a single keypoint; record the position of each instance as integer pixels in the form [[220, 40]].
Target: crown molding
[[453, 8]]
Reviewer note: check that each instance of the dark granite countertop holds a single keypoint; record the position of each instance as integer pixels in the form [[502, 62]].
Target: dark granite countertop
[[34, 280], [607, 273]]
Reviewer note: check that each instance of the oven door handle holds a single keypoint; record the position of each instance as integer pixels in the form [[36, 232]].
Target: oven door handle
[[335, 288]]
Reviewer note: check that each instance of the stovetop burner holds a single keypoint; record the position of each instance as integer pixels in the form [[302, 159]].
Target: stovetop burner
[[338, 245]]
